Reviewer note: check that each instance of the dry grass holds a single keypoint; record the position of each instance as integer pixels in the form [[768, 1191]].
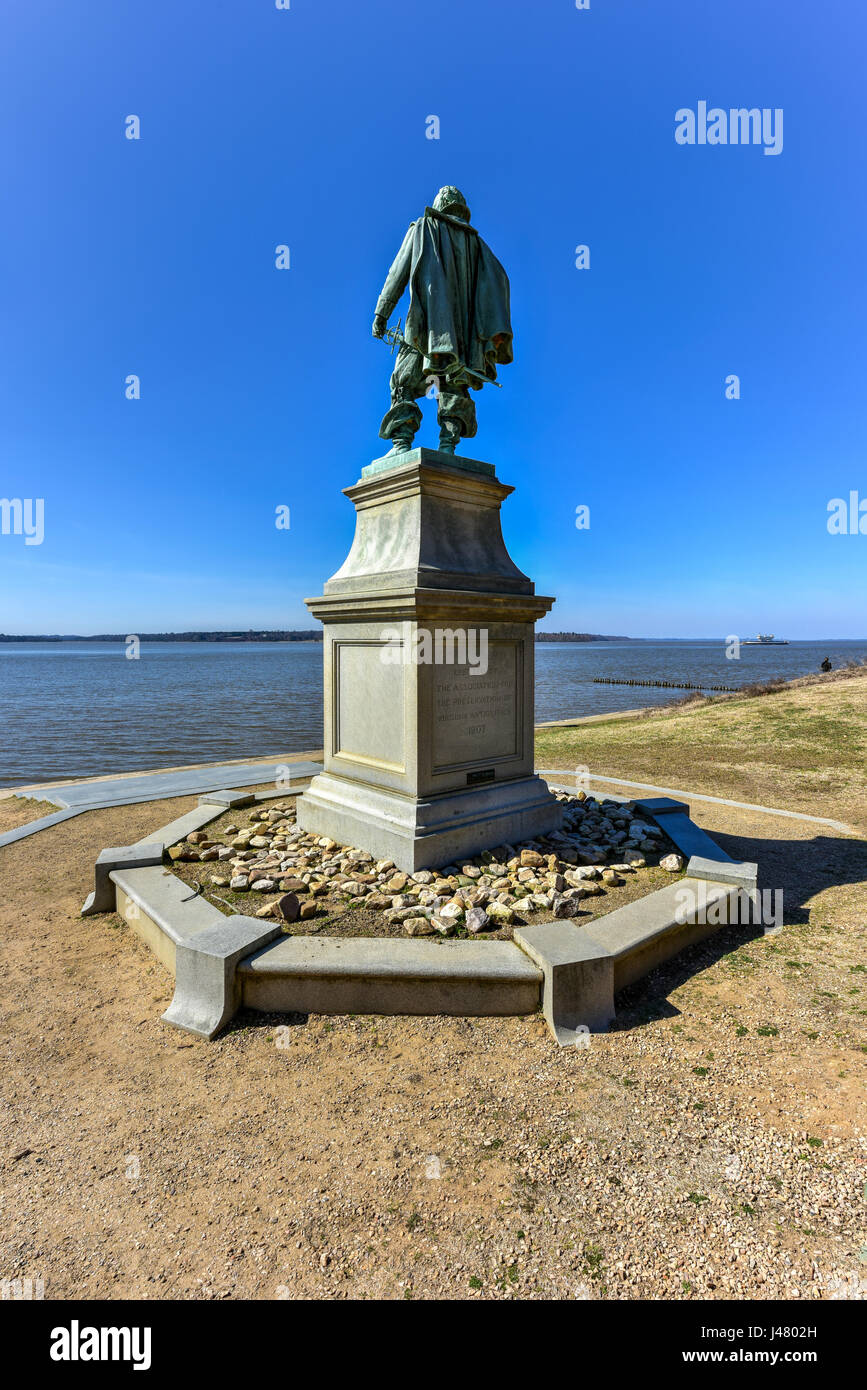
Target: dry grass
[[802, 747], [15, 812]]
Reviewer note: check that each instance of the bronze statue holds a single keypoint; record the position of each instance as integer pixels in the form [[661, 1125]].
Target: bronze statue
[[458, 326]]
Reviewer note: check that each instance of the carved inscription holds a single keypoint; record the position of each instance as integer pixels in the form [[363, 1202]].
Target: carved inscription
[[475, 716]]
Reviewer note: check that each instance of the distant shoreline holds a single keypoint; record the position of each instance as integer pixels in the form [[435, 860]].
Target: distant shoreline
[[315, 635], [233, 637], [299, 635]]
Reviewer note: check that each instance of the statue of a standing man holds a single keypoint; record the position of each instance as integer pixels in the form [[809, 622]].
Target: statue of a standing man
[[458, 326]]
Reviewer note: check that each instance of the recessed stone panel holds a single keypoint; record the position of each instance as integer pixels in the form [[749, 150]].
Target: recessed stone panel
[[369, 705], [476, 716]]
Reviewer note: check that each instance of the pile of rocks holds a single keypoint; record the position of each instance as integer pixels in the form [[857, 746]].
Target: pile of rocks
[[600, 842]]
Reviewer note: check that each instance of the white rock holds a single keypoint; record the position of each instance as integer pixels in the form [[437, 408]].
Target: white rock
[[451, 911], [418, 926], [476, 919]]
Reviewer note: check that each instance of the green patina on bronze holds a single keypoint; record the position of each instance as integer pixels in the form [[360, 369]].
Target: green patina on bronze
[[458, 325]]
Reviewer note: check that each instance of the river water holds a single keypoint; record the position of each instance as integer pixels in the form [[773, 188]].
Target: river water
[[81, 709]]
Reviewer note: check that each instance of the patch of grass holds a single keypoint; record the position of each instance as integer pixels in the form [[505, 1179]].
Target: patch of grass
[[807, 739], [594, 1260]]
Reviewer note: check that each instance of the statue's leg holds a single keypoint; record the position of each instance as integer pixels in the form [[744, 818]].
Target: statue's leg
[[401, 422], [456, 414]]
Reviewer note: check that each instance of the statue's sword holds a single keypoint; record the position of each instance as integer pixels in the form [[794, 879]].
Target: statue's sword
[[395, 337]]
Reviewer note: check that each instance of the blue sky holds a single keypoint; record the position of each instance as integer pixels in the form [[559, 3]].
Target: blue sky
[[262, 387]]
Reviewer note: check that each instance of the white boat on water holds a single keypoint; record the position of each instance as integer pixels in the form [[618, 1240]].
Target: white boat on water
[[765, 639]]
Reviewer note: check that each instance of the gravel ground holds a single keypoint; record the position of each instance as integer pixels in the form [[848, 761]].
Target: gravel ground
[[711, 1146]]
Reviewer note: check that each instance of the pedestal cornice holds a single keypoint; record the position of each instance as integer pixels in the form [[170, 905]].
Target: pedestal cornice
[[429, 604]]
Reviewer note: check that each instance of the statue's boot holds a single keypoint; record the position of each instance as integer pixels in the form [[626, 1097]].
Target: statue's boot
[[450, 433], [401, 444]]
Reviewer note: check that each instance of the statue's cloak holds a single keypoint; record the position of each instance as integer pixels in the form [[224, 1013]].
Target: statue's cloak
[[458, 298]]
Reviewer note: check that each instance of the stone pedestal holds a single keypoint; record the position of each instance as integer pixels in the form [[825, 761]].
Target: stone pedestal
[[428, 756]]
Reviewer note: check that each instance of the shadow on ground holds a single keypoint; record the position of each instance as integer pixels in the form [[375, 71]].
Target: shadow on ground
[[801, 868]]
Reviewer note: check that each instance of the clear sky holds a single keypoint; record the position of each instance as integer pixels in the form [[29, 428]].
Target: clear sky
[[262, 387]]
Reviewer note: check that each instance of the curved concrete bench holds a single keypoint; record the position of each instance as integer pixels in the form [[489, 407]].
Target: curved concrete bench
[[221, 962], [381, 975]]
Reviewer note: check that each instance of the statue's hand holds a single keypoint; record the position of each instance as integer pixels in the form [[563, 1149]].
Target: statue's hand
[[379, 326]]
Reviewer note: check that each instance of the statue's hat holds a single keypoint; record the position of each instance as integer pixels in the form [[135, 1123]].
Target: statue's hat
[[451, 200]]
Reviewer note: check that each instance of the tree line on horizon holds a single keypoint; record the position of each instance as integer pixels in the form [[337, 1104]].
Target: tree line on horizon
[[312, 635], [290, 635]]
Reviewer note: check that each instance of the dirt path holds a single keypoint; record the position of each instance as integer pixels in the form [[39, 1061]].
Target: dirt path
[[711, 1146]]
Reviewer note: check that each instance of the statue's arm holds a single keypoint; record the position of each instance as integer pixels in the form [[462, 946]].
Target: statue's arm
[[395, 283]]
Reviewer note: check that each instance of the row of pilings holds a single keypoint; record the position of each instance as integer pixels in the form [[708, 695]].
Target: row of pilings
[[665, 685]]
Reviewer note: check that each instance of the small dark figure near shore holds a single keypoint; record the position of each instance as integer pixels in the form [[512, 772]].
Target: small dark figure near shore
[[826, 664]]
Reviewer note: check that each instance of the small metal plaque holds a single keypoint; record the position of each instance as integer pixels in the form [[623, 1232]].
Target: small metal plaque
[[474, 778]]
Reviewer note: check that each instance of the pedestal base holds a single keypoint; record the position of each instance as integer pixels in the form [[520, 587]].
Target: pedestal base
[[419, 833], [428, 658]]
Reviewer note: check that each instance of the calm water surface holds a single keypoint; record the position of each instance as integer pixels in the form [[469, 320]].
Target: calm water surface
[[82, 709]]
